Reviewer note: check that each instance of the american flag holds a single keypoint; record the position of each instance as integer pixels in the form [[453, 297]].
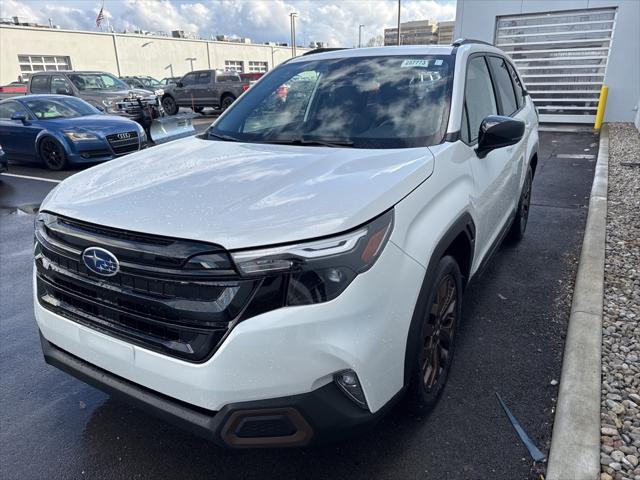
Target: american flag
[[100, 16]]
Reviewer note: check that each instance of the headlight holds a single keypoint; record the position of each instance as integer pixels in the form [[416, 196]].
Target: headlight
[[80, 136], [159, 92], [319, 271], [108, 105]]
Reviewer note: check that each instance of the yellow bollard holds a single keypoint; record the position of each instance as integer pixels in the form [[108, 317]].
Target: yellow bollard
[[602, 103]]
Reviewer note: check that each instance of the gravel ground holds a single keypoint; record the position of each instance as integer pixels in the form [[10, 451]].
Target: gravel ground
[[620, 411]]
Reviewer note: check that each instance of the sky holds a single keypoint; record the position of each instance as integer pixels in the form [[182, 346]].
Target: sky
[[332, 21]]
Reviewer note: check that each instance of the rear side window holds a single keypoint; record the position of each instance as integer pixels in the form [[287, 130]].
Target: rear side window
[[228, 78], [517, 85], [39, 84], [504, 87], [479, 98]]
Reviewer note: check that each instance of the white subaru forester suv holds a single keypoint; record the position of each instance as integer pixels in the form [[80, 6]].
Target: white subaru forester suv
[[284, 277]]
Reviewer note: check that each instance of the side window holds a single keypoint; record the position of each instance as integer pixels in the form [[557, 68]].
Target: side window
[[517, 85], [39, 84], [502, 79], [478, 94], [58, 82], [9, 108], [188, 79], [204, 78]]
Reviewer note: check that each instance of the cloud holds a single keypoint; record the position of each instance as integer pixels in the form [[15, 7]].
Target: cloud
[[332, 21]]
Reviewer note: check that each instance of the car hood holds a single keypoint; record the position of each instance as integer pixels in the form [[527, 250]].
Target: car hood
[[99, 123], [115, 95], [241, 195]]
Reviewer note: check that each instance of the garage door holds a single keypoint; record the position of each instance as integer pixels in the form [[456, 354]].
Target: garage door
[[562, 57]]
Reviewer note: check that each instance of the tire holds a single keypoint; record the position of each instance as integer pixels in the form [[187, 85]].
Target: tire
[[169, 105], [519, 225], [226, 102], [198, 109], [436, 340], [52, 153]]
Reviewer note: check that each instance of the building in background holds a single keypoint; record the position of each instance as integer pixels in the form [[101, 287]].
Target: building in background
[[445, 32], [565, 50], [27, 49], [420, 32]]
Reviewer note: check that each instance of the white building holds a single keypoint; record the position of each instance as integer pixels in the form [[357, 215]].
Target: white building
[[565, 50], [27, 49]]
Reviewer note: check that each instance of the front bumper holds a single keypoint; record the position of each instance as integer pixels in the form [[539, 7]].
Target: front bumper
[[298, 420], [284, 353]]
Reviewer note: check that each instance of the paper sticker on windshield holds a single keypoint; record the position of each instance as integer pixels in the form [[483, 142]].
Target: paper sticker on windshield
[[414, 63]]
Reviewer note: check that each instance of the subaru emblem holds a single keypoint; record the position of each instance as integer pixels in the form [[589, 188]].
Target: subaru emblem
[[101, 261]]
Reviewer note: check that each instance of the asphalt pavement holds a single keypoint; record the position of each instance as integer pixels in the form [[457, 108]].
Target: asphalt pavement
[[510, 342]]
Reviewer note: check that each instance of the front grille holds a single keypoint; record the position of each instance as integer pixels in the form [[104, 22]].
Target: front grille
[[122, 146], [154, 301]]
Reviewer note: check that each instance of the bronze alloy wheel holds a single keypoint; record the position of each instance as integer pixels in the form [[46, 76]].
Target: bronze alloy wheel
[[52, 154], [437, 349]]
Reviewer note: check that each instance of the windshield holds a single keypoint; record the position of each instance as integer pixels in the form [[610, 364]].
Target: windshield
[[363, 102], [97, 81], [149, 82], [52, 109]]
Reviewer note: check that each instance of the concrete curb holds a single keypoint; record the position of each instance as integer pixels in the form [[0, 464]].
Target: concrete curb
[[575, 444]]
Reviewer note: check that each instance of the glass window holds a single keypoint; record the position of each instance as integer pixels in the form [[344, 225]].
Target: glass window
[[478, 94], [69, 107], [234, 65], [60, 84], [517, 85], [361, 102], [39, 84], [502, 81], [9, 108], [38, 63], [204, 78], [97, 81], [229, 77], [258, 67], [464, 126], [188, 79]]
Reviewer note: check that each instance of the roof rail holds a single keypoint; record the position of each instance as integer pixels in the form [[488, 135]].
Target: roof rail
[[466, 41], [322, 50]]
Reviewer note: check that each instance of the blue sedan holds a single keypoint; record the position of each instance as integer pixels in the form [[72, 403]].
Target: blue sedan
[[59, 130]]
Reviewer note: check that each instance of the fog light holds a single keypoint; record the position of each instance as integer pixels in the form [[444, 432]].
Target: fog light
[[349, 383]]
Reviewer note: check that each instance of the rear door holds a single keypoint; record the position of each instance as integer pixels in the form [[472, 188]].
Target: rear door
[[203, 89], [18, 140], [493, 199]]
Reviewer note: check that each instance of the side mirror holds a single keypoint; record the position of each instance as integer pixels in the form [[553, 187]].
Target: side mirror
[[63, 91], [21, 117], [497, 131]]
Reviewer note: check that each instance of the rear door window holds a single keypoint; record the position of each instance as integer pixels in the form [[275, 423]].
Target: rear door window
[[479, 97], [504, 86], [517, 85], [204, 78], [39, 84]]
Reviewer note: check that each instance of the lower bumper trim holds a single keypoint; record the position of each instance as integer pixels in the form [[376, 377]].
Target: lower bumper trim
[[321, 416]]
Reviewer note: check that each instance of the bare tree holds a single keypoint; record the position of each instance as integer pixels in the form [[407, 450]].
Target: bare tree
[[376, 41]]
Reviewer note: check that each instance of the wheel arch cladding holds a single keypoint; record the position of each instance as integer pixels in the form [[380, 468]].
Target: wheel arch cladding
[[458, 242], [534, 164]]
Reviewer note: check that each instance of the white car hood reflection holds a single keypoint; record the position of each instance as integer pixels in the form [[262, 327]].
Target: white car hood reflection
[[241, 195]]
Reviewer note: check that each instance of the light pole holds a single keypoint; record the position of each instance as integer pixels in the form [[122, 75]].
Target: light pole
[[170, 68], [360, 35], [293, 33], [399, 6], [191, 60]]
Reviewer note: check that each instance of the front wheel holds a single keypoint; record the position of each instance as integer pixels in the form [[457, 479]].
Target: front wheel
[[519, 225], [169, 105], [436, 340], [52, 154]]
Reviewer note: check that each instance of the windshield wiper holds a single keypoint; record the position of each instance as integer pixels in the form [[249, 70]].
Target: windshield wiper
[[333, 143], [226, 138]]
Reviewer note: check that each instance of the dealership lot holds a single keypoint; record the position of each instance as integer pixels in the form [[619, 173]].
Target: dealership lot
[[510, 342]]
